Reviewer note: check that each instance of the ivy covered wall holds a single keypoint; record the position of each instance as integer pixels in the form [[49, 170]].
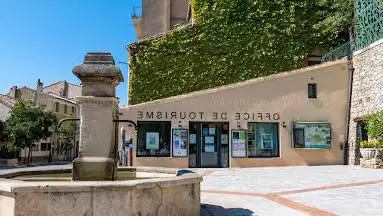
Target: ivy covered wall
[[234, 40]]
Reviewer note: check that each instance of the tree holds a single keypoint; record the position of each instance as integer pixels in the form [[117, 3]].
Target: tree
[[27, 124]]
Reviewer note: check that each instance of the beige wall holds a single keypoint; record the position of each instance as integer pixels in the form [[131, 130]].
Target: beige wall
[[285, 94]]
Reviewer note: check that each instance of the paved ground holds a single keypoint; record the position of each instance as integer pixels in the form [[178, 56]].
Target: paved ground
[[320, 190]]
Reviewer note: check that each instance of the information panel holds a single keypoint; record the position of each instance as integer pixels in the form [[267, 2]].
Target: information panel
[[312, 135], [180, 142], [238, 143]]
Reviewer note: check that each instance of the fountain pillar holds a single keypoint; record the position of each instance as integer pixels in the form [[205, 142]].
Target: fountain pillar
[[98, 107]]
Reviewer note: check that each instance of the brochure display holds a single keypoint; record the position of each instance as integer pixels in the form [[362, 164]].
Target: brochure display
[[180, 142], [238, 143]]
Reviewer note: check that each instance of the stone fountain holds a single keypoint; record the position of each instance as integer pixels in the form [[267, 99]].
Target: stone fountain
[[95, 185]]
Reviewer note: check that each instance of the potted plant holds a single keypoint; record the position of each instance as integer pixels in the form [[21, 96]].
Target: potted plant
[[369, 149]]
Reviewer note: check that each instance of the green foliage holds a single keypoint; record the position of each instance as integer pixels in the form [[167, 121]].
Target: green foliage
[[234, 40], [375, 126], [371, 144], [8, 151], [28, 123]]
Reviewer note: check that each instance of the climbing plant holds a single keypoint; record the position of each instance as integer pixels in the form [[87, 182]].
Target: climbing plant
[[234, 40]]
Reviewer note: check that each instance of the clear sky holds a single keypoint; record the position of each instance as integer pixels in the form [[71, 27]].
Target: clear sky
[[46, 38]]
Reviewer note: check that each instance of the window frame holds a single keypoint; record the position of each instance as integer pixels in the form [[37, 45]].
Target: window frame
[[309, 90], [65, 108], [310, 122], [278, 140], [155, 156], [57, 107]]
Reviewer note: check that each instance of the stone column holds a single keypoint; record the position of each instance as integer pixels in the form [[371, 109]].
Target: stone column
[[98, 109]]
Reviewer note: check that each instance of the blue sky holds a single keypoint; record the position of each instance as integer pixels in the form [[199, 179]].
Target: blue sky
[[46, 38]]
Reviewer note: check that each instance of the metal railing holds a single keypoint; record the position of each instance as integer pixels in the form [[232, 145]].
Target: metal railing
[[339, 53]]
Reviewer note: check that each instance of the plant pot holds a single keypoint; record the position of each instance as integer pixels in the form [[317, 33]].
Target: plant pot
[[368, 153]]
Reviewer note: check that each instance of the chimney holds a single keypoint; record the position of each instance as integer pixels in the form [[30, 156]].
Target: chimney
[[40, 86], [13, 91], [66, 89]]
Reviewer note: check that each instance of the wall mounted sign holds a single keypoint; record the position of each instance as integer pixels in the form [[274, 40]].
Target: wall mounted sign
[[254, 116], [312, 135], [152, 140], [238, 143], [180, 142]]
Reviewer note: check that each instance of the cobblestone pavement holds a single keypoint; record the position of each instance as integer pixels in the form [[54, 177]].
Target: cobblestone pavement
[[315, 190]]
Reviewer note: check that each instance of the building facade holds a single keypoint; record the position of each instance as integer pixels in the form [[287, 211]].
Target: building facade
[[58, 98], [159, 16], [367, 58], [293, 118]]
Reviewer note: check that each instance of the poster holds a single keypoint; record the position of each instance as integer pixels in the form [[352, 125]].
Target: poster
[[152, 140], [238, 143], [180, 142], [205, 131], [224, 138], [209, 148], [193, 138], [267, 141], [209, 140]]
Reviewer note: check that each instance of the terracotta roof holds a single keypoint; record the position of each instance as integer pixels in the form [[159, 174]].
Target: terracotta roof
[[7, 101]]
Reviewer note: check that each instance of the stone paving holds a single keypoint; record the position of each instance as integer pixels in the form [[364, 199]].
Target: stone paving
[[300, 190]]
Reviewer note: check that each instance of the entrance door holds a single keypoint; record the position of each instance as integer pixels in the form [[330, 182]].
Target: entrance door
[[209, 144]]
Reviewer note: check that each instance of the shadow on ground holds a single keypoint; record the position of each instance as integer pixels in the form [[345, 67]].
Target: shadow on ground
[[213, 210]]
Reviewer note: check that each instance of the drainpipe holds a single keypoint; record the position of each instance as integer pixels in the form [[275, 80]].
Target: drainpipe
[[351, 69]]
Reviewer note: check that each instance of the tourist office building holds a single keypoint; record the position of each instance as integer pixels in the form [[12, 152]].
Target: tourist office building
[[293, 118]]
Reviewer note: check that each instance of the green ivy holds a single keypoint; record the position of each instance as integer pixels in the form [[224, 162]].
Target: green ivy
[[375, 126], [234, 40]]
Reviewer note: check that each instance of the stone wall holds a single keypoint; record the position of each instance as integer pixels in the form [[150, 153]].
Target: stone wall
[[367, 91], [175, 195], [375, 162]]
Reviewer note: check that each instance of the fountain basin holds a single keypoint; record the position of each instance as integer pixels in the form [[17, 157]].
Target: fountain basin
[[137, 191]]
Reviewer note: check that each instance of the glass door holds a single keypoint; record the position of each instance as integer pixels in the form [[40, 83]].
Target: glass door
[[209, 148], [208, 144]]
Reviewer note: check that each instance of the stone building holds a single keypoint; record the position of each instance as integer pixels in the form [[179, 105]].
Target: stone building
[[6, 104], [160, 16], [57, 97], [367, 78]]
